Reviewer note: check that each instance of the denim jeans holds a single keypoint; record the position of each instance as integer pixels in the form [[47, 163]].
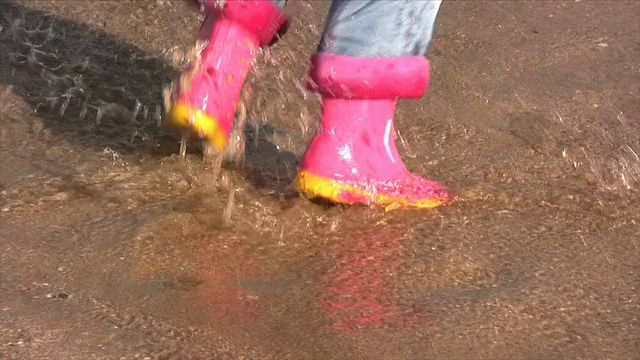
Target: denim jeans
[[378, 28]]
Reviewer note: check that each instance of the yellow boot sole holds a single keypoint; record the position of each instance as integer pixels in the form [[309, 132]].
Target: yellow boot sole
[[318, 187], [186, 118]]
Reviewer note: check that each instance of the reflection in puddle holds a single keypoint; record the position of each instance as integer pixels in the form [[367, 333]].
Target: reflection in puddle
[[358, 292], [222, 293], [225, 299]]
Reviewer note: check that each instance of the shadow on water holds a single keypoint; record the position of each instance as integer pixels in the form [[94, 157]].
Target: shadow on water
[[86, 85], [97, 91]]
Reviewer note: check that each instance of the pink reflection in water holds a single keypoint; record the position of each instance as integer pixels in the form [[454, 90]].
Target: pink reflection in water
[[358, 292], [221, 294]]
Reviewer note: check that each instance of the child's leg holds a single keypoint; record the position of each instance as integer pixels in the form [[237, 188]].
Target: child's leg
[[371, 54], [374, 28]]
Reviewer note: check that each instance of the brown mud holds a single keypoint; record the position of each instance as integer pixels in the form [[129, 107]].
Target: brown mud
[[115, 247]]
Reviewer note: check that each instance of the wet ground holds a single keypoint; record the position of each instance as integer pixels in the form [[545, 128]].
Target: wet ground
[[115, 247]]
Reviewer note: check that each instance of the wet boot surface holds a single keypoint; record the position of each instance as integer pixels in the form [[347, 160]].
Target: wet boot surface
[[115, 247]]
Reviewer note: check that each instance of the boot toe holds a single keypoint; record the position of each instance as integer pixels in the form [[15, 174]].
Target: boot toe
[[192, 120]]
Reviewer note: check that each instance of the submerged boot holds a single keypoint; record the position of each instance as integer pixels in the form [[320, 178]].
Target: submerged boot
[[353, 158], [209, 90]]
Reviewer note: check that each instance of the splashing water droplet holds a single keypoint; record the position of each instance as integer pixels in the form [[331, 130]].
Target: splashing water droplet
[[99, 115], [83, 112], [166, 97], [406, 146], [64, 106], [228, 209], [136, 110], [183, 144], [158, 115]]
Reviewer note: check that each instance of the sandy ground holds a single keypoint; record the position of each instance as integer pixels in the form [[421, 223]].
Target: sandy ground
[[114, 247]]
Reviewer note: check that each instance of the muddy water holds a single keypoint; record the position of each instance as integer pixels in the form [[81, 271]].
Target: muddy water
[[113, 246]]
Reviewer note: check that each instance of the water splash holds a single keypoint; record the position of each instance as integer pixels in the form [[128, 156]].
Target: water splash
[[608, 155]]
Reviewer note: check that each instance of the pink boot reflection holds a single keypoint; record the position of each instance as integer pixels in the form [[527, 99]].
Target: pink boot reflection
[[358, 293]]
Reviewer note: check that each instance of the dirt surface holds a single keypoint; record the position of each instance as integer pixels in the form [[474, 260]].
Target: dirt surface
[[115, 247]]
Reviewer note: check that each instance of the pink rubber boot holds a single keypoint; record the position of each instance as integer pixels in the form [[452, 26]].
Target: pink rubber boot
[[353, 158], [209, 90]]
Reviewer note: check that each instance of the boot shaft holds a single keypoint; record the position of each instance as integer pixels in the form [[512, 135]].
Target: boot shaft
[[351, 77], [262, 18], [209, 88], [356, 141]]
